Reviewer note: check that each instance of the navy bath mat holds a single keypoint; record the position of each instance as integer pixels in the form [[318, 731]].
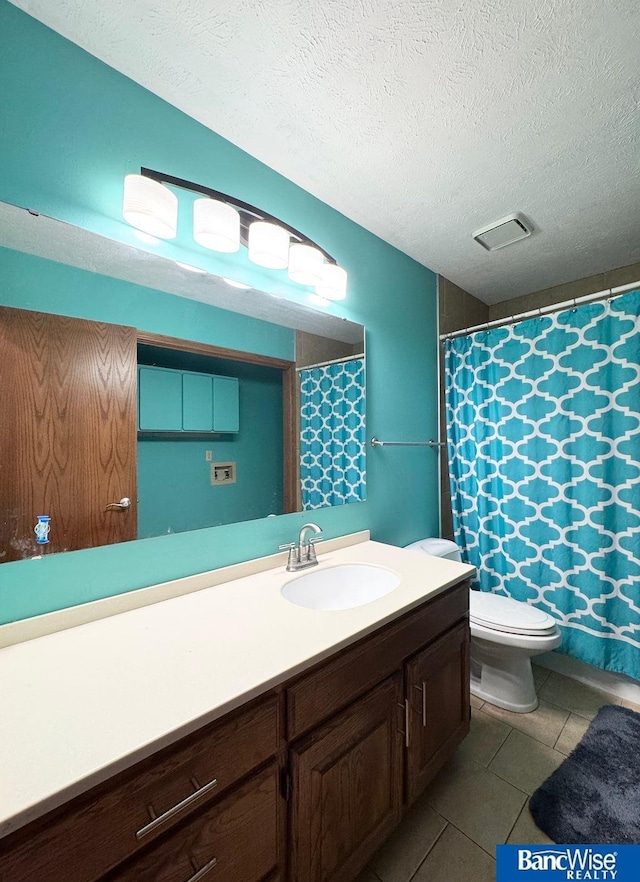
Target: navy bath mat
[[593, 798]]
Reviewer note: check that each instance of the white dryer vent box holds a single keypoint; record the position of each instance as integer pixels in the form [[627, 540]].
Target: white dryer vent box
[[506, 231]]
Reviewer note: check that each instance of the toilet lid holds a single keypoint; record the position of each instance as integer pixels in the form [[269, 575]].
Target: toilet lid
[[505, 614]]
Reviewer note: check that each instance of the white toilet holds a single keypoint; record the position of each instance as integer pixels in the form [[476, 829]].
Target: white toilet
[[505, 635]]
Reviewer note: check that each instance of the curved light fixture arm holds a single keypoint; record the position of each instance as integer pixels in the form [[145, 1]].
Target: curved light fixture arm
[[248, 213]]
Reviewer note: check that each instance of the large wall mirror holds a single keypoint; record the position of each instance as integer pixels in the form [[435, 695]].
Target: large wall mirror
[[109, 432]]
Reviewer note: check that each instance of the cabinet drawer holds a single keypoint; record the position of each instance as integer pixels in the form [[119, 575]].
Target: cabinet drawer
[[317, 695], [237, 840], [100, 830]]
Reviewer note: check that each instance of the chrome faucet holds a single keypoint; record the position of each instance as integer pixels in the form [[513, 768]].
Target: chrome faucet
[[302, 554]]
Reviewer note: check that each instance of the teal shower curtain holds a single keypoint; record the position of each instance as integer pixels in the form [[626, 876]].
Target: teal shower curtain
[[543, 422], [332, 434]]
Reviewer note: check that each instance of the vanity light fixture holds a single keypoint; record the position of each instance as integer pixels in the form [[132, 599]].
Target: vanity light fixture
[[150, 207], [333, 284], [268, 245], [223, 223], [216, 225], [305, 264]]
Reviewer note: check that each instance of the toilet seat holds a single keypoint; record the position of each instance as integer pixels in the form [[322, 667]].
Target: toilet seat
[[498, 613]]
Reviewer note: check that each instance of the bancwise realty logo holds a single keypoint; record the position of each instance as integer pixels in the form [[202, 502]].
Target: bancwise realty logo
[[568, 863]]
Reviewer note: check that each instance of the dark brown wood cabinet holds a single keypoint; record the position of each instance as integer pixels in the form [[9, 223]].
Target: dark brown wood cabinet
[[115, 820], [239, 839], [300, 785], [437, 695], [347, 787], [336, 683]]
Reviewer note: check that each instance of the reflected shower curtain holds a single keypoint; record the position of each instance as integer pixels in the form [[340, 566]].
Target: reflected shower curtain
[[332, 440], [543, 424]]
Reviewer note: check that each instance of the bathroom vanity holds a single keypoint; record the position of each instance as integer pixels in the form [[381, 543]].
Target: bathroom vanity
[[301, 780]]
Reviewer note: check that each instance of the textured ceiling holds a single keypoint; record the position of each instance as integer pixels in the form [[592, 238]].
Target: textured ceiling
[[421, 120]]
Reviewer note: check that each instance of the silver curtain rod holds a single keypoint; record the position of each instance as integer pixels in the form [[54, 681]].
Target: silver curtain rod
[[347, 358], [375, 442], [555, 307]]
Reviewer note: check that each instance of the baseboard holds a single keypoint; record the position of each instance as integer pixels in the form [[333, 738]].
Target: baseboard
[[606, 681]]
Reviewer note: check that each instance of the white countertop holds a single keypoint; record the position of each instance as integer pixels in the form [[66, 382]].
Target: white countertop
[[82, 704]]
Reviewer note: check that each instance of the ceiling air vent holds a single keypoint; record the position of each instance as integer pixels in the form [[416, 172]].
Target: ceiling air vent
[[506, 231]]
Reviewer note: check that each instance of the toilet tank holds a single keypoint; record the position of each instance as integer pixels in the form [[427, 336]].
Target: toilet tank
[[438, 548]]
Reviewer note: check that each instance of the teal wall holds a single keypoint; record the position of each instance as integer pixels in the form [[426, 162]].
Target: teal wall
[[71, 129]]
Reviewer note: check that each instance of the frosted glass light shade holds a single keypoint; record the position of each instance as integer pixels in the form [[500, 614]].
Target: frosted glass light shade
[[333, 285], [150, 206], [268, 245], [216, 225], [305, 264]]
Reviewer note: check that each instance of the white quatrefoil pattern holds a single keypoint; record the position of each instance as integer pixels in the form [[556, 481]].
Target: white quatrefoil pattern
[[544, 453], [332, 434]]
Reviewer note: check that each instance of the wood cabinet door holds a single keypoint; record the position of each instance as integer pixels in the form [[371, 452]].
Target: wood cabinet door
[[347, 787], [437, 684], [67, 431]]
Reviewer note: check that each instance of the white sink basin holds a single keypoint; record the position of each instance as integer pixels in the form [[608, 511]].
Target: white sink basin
[[341, 587]]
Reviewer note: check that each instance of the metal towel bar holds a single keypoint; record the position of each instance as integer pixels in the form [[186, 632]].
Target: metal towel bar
[[375, 442]]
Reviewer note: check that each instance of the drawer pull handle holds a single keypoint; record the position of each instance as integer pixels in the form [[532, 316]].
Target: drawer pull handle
[[176, 809], [406, 723], [423, 690], [203, 870], [405, 707]]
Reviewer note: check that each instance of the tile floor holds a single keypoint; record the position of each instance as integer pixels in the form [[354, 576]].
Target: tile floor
[[480, 799]]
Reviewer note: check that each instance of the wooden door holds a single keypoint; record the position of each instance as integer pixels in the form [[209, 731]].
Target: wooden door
[[67, 431], [437, 684], [347, 787]]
